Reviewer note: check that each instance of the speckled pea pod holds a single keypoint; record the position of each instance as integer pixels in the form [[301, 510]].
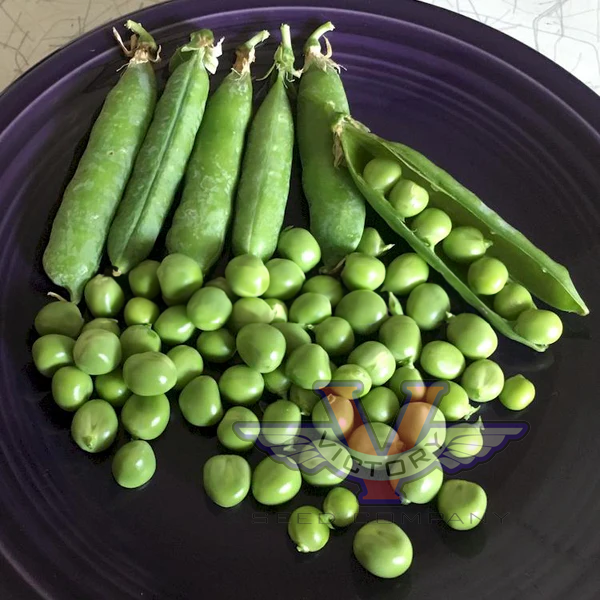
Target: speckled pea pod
[[337, 209], [265, 181], [201, 220], [81, 226], [161, 163]]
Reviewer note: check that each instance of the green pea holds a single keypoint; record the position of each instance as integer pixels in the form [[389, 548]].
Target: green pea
[[394, 305], [179, 277], [465, 244], [261, 347], [308, 365], [247, 276], [146, 417], [141, 311], [200, 402], [408, 198], [305, 400], [310, 309], [174, 326], [279, 310], [277, 382], [383, 549], [442, 360], [221, 283], [431, 226], [143, 279], [340, 507], [487, 276], [274, 482], [362, 272], [329, 468], [134, 464], [402, 337], [285, 412], [241, 385], [51, 352], [405, 273], [372, 244], [483, 380], [350, 381], [249, 425], [327, 286], [462, 504], [308, 529], [249, 310], [465, 440], [209, 308], [285, 279], [424, 489], [428, 304], [71, 388], [335, 336], [512, 300], [364, 310], [381, 174], [226, 479], [299, 246], [111, 325], [97, 351], [517, 394], [376, 359], [472, 335], [381, 405], [112, 388], [188, 363], [137, 339], [539, 326], [451, 399], [62, 318], [216, 346], [94, 426], [149, 374], [104, 296], [414, 387], [295, 336]]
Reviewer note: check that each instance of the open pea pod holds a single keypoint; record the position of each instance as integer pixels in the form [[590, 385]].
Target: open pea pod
[[527, 265]]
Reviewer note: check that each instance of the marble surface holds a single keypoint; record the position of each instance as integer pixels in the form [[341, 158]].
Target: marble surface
[[567, 31]]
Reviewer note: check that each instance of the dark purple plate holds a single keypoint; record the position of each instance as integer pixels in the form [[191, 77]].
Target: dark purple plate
[[517, 129]]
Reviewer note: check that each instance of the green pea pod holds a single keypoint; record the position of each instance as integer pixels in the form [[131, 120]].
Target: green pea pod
[[337, 210], [201, 220], [161, 163], [265, 181], [526, 263], [75, 248]]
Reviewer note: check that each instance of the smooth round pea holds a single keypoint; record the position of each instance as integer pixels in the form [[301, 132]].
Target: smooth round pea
[[200, 402], [149, 374], [330, 468], [464, 440], [372, 244], [248, 276], [71, 388], [517, 394], [465, 244], [376, 359], [408, 198], [381, 405], [539, 326], [143, 280], [401, 335], [94, 426], [279, 310], [341, 507], [51, 352], [431, 226], [285, 279], [442, 360], [424, 489], [277, 382], [111, 325], [394, 305], [188, 363], [229, 437], [261, 347], [350, 381], [146, 417], [428, 304], [472, 335], [137, 339], [382, 173], [415, 388], [327, 286], [216, 346], [335, 336], [226, 479], [405, 273], [362, 272], [179, 277], [299, 246], [174, 326], [487, 276], [364, 310], [274, 482], [112, 388], [308, 365], [103, 296], [140, 311], [308, 528], [383, 549], [281, 421], [483, 380], [134, 464], [61, 317], [305, 400], [452, 400], [221, 283], [249, 310], [97, 351], [512, 300], [295, 336], [209, 308], [310, 309], [462, 504], [241, 385]]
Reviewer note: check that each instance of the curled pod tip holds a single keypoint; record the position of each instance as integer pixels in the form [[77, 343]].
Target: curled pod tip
[[246, 53]]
